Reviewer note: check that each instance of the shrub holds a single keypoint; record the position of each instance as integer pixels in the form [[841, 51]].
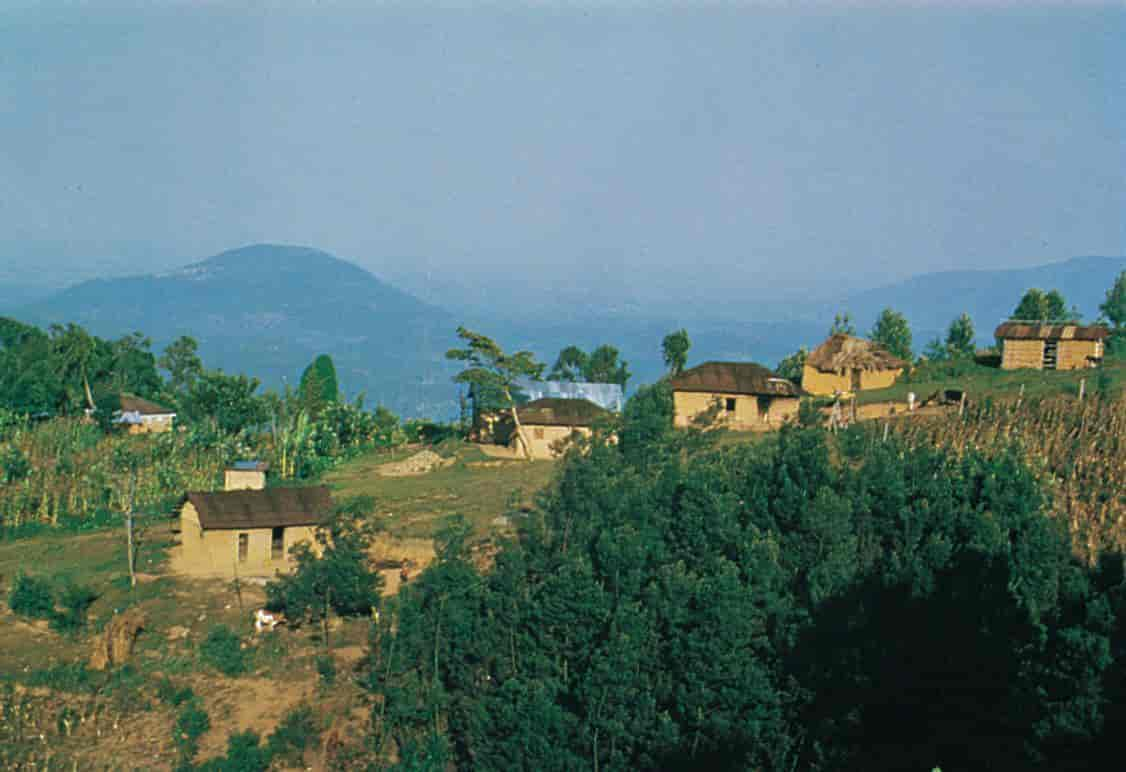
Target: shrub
[[168, 692], [32, 597], [222, 650], [70, 677], [326, 669], [75, 600], [244, 754], [293, 735], [191, 724]]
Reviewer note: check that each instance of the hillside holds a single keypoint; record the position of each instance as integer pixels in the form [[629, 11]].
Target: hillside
[[267, 310]]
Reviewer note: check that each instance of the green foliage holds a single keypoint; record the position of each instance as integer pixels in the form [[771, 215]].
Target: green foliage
[[32, 597], [182, 363], [808, 414], [842, 325], [227, 402], [959, 343], [326, 669], [792, 366], [319, 386], [192, 723], [674, 351], [245, 753], [74, 600], [222, 650], [14, 465], [603, 365], [571, 365], [171, 694], [340, 578], [296, 732], [1037, 305], [893, 333], [1113, 306]]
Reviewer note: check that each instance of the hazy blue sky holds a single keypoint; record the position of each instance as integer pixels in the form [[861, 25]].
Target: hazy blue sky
[[735, 147]]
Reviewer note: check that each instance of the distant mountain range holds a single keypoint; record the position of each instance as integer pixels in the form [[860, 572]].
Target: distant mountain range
[[267, 310]]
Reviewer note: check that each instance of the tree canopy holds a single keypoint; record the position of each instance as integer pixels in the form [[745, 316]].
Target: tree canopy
[[1037, 305], [674, 351], [842, 325], [892, 331], [319, 386], [602, 365]]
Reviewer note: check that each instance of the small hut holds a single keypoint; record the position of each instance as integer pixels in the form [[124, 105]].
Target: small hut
[[140, 416], [1043, 346], [744, 395], [547, 422], [248, 532], [844, 363]]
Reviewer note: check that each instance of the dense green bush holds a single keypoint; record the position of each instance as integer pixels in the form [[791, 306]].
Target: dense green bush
[[32, 597], [326, 669], [245, 753], [168, 692], [222, 650], [75, 601], [191, 724], [296, 732]]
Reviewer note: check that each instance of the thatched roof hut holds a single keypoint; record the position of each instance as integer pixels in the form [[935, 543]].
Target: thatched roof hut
[[1044, 346], [558, 411], [844, 363], [842, 353]]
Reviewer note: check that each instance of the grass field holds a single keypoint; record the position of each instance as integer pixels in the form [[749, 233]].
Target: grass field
[[477, 486], [979, 380]]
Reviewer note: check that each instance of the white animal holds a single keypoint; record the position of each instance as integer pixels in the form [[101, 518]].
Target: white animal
[[267, 620]]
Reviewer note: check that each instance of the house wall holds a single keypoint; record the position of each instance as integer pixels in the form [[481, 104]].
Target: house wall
[[747, 415], [541, 438], [215, 552], [156, 424], [1021, 354], [243, 480], [1073, 354], [817, 382]]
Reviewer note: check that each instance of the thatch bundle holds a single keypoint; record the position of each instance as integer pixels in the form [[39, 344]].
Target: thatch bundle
[[115, 645], [842, 353]]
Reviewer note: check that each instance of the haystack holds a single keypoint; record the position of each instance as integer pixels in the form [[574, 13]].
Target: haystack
[[115, 644]]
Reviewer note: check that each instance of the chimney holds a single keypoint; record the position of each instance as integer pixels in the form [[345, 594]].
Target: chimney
[[245, 476]]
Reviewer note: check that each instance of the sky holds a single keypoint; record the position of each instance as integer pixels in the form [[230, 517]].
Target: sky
[[742, 150]]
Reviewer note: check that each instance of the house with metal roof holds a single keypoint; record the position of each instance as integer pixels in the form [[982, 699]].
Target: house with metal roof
[[1045, 346], [247, 532], [140, 416], [608, 396], [738, 395]]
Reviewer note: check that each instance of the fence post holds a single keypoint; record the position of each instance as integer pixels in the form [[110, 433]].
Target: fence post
[[1020, 397], [1082, 388], [962, 405]]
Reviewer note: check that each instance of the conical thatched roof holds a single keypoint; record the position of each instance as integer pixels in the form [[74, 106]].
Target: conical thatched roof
[[841, 353]]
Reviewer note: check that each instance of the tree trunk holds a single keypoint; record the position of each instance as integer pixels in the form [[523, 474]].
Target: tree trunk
[[519, 429], [131, 545]]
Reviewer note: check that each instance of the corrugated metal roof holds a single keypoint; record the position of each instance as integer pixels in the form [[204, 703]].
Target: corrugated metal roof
[[269, 508], [734, 378], [131, 404], [608, 396], [1034, 331], [250, 466]]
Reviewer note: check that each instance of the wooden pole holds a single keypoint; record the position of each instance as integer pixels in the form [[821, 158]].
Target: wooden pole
[[1082, 388], [962, 405], [1020, 396]]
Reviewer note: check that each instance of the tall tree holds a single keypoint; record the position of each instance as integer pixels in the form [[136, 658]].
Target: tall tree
[[1114, 309], [842, 325], [133, 366], [1037, 305], [489, 369], [674, 350], [893, 333], [182, 363], [606, 366], [960, 337], [74, 354], [792, 366], [319, 386], [228, 402], [571, 365]]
